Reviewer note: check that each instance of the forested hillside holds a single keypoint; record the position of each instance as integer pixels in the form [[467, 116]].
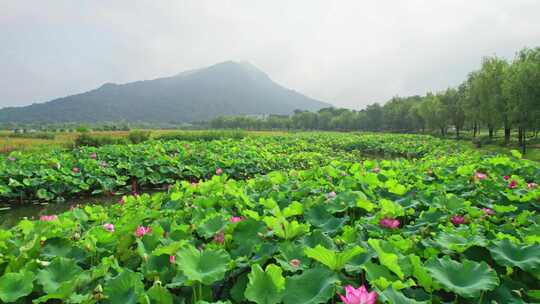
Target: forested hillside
[[228, 88]]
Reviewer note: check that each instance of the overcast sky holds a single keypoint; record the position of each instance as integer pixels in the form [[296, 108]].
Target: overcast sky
[[348, 53]]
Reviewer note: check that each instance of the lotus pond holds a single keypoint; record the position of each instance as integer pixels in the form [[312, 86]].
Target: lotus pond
[[289, 219]]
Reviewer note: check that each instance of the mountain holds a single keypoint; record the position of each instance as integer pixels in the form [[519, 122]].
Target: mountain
[[228, 88]]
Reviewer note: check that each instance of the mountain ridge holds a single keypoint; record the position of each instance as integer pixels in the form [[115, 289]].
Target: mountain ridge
[[226, 88]]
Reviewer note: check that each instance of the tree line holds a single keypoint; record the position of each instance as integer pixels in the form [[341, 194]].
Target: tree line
[[499, 95]]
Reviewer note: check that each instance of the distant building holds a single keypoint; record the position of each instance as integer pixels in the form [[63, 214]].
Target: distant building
[[258, 116]]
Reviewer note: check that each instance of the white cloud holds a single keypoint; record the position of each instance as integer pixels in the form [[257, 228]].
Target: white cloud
[[350, 53]]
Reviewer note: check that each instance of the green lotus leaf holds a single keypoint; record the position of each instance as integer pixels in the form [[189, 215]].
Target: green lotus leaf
[[14, 286], [284, 228], [127, 287], [333, 259], [207, 266], [467, 279], [319, 217], [211, 225], [395, 187], [60, 270], [56, 247], [421, 273], [295, 208], [506, 253], [317, 237], [460, 241], [314, 286], [246, 236], [291, 251], [390, 208], [393, 296], [387, 259], [159, 295], [265, 287], [345, 200], [169, 249]]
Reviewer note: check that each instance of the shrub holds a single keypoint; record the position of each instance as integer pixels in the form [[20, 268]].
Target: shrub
[[203, 135], [139, 136], [86, 139], [37, 135]]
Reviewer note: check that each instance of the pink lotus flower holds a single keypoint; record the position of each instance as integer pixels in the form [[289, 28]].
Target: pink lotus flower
[[93, 156], [457, 220], [358, 296], [109, 227], [121, 201], [47, 218], [488, 211], [512, 184], [76, 170], [532, 185], [331, 194], [295, 263], [376, 170], [506, 177], [219, 238], [219, 171], [480, 175], [389, 223], [172, 258], [235, 219], [141, 231]]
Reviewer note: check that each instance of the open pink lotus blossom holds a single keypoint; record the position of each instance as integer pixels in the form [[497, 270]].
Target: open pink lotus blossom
[[506, 177], [389, 223], [219, 171], [172, 258], [109, 227], [376, 170], [47, 218], [331, 194], [532, 185], [295, 263], [141, 231], [219, 238], [93, 156], [358, 295], [235, 219], [488, 211], [480, 175], [457, 220], [512, 184], [76, 170]]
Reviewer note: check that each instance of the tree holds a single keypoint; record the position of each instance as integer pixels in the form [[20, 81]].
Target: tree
[[434, 113], [494, 109], [453, 103], [523, 89]]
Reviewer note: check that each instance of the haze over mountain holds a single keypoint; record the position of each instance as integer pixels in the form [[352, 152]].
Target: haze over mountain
[[227, 88]]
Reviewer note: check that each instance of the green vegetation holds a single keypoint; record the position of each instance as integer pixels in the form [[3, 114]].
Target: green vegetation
[[205, 135], [447, 224], [500, 95]]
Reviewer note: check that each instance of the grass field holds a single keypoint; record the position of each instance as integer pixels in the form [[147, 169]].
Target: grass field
[[66, 140]]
